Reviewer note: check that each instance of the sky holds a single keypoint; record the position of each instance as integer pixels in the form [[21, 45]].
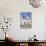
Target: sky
[[26, 14]]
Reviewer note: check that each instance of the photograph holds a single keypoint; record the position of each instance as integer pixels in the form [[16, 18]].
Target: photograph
[[26, 20]]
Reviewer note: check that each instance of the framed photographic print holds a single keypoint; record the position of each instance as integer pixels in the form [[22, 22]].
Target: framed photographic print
[[25, 20]]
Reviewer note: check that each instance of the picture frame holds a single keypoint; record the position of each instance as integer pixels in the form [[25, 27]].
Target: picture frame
[[25, 20]]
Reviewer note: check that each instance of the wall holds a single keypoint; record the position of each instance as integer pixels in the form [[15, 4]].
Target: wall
[[12, 8], [45, 28]]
